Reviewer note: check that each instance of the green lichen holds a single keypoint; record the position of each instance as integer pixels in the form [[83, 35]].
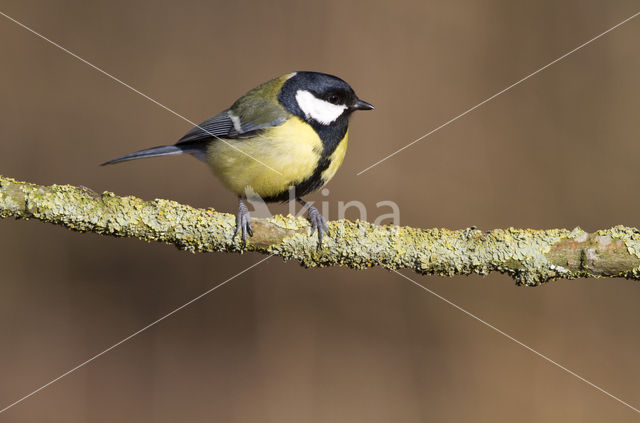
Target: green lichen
[[529, 256]]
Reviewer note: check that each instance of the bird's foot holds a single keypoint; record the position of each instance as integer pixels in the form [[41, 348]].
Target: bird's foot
[[243, 222], [318, 222]]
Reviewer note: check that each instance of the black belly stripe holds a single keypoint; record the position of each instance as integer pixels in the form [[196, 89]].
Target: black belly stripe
[[308, 185], [331, 137]]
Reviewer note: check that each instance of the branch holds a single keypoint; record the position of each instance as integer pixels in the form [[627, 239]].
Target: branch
[[529, 256]]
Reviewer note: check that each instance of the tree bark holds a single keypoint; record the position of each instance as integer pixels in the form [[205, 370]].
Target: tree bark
[[529, 256]]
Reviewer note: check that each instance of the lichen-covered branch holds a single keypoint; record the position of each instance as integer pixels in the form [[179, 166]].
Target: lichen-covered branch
[[529, 256]]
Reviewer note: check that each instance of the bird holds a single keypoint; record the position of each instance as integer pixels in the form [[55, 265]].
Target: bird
[[281, 140]]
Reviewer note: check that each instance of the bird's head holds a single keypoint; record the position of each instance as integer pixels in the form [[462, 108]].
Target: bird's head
[[320, 99]]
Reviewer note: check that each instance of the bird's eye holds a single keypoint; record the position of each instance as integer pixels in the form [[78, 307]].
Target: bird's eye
[[334, 99]]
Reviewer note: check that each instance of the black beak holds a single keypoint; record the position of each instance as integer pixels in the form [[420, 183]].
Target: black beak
[[362, 105]]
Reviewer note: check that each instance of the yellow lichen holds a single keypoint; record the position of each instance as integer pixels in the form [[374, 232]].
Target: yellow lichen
[[529, 256]]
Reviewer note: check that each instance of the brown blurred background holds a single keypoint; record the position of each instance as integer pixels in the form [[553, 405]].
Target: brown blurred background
[[285, 344]]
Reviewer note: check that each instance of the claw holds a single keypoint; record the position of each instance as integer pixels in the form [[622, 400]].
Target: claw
[[243, 222], [318, 222]]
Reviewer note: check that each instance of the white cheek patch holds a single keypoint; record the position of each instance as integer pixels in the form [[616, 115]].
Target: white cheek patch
[[319, 110]]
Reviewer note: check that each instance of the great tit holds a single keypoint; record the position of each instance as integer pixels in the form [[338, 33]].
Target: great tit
[[288, 135]]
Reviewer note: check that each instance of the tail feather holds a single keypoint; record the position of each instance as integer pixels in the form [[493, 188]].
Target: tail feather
[[164, 150]]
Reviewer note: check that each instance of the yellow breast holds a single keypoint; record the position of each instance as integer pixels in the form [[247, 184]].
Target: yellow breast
[[269, 164], [336, 159]]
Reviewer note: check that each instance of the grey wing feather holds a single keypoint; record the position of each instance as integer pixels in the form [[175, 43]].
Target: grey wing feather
[[248, 129], [247, 116], [220, 125]]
